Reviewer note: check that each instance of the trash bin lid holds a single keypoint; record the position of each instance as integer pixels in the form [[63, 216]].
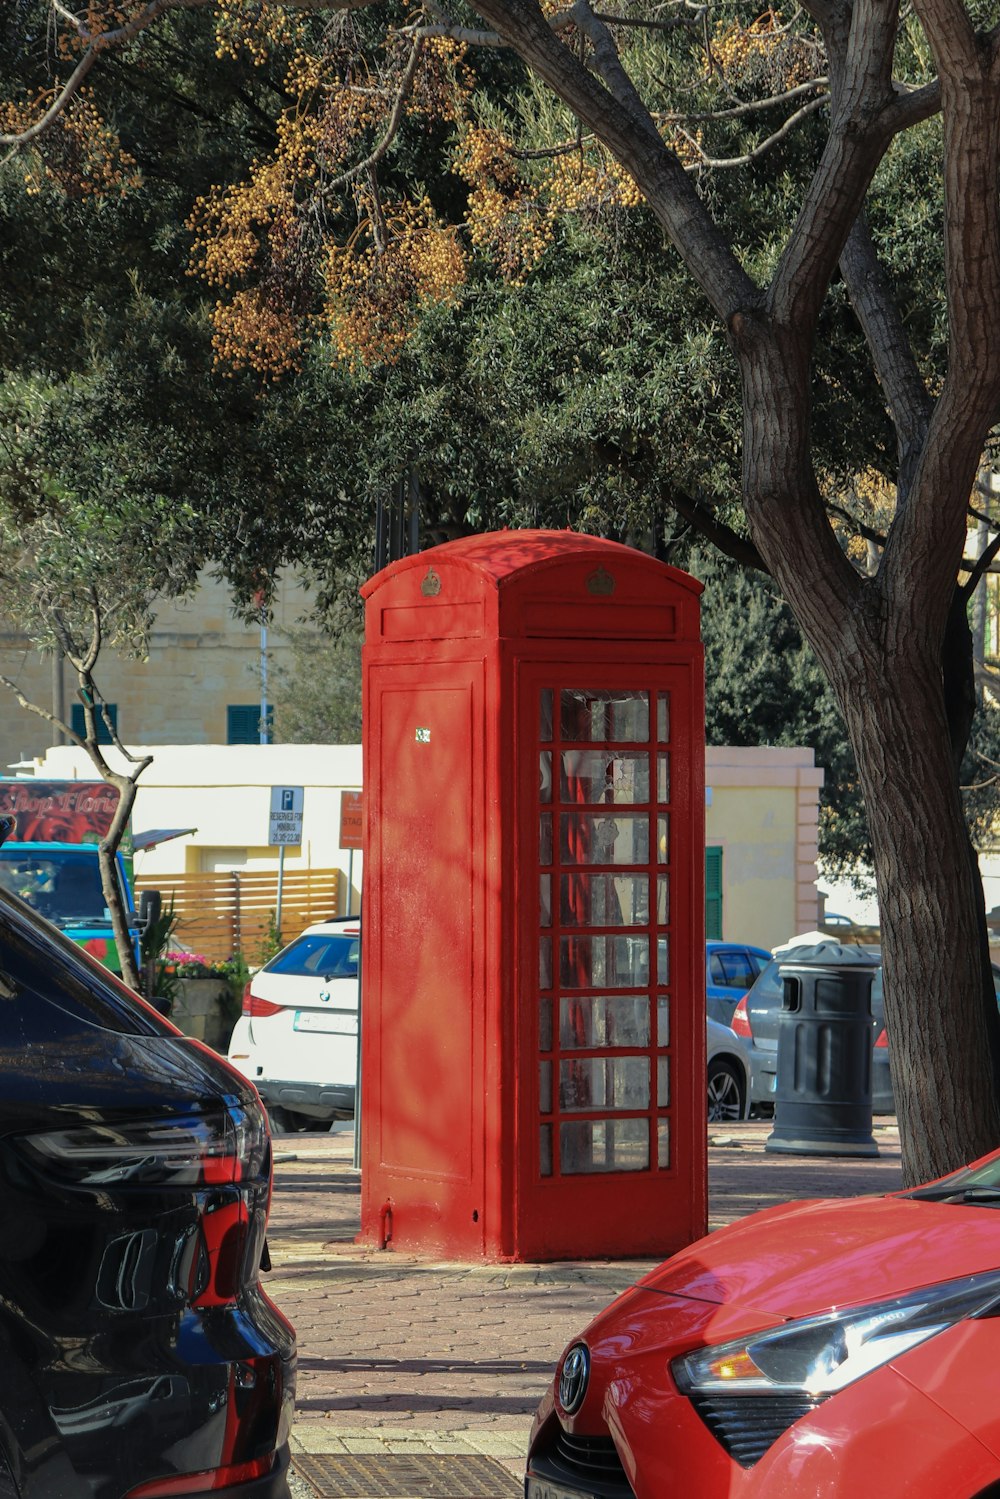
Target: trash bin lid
[[831, 954]]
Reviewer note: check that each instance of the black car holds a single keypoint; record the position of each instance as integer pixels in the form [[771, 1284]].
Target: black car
[[139, 1355]]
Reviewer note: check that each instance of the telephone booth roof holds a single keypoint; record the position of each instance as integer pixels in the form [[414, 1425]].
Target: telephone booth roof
[[531, 583]]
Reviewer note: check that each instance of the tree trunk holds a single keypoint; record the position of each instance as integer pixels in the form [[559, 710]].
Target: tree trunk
[[884, 643], [941, 1022], [107, 850]]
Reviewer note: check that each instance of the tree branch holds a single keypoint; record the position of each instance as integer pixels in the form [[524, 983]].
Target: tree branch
[[50, 718], [981, 566], [717, 163], [877, 310], [739, 548], [103, 41], [860, 90], [391, 129], [667, 187], [609, 65]]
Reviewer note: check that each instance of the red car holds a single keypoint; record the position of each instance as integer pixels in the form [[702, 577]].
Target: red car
[[834, 1349]]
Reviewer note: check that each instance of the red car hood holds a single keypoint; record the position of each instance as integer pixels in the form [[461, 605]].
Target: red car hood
[[812, 1256]]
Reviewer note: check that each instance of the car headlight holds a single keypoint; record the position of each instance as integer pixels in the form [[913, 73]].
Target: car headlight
[[801, 1363]]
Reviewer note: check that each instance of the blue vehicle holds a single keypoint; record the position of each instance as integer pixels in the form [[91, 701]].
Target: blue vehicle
[[730, 969], [62, 882]]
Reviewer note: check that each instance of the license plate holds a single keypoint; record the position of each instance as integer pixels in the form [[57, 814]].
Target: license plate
[[541, 1488], [317, 1020]]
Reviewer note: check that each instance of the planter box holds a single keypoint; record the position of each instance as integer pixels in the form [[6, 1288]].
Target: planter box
[[201, 1009]]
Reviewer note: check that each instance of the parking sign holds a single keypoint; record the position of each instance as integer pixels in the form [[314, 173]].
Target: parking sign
[[285, 825]]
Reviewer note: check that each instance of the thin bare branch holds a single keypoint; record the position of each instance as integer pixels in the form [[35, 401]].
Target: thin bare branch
[[104, 41], [461, 34], [748, 107], [49, 718], [720, 163], [392, 128]]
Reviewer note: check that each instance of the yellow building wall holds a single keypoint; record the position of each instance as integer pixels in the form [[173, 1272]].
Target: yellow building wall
[[763, 812]]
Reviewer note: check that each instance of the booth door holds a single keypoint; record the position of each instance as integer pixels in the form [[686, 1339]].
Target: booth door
[[612, 1140]]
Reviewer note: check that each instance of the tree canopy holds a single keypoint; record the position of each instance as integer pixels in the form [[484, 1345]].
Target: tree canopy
[[832, 351]]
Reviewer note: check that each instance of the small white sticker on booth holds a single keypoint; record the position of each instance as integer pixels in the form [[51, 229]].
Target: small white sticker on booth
[[423, 736]]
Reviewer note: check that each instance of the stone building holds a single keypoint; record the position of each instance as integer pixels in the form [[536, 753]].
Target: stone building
[[199, 684]]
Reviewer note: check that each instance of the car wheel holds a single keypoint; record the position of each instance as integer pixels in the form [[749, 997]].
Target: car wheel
[[287, 1122], [726, 1099]]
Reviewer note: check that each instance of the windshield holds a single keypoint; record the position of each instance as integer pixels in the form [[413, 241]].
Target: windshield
[[65, 889], [330, 956], [970, 1184]]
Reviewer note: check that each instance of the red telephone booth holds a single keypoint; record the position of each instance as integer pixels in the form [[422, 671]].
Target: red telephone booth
[[533, 1076]]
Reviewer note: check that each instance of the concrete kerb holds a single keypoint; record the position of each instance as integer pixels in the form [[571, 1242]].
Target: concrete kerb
[[402, 1355]]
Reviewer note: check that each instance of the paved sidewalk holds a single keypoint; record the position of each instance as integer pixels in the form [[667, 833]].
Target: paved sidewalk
[[414, 1357]]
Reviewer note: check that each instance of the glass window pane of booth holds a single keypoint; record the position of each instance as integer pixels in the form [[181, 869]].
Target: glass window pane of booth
[[594, 838], [599, 717], [591, 1145], [604, 900], [604, 776], [603, 1020]]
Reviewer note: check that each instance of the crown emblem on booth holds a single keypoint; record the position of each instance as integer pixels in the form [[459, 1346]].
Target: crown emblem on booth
[[431, 586], [601, 582]]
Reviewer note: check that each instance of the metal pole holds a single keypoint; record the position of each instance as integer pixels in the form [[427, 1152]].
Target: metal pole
[[264, 739], [396, 541], [414, 487], [350, 882], [281, 882], [58, 693], [380, 524], [357, 1065]]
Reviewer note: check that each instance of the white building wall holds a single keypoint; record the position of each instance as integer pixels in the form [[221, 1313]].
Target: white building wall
[[223, 791]]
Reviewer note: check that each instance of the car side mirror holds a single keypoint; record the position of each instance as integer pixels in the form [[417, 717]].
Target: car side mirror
[[150, 907]]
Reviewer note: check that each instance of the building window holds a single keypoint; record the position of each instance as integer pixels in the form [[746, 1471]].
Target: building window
[[713, 893], [243, 723], [78, 726]]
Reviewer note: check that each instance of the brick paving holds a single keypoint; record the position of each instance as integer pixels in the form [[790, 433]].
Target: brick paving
[[399, 1355]]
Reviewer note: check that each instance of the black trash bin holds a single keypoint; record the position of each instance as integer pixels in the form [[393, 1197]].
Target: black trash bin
[[823, 1088]]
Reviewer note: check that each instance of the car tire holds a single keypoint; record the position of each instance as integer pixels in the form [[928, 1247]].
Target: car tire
[[288, 1122], [726, 1092]]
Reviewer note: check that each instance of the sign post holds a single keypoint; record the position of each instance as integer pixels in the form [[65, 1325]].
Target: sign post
[[352, 818], [284, 828]]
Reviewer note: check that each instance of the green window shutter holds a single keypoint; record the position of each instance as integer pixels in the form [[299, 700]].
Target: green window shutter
[[713, 893], [243, 723], [78, 725]]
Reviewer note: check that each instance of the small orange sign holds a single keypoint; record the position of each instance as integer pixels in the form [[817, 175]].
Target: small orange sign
[[352, 819]]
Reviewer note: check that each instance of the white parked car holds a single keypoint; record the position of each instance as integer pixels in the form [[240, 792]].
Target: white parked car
[[297, 1038]]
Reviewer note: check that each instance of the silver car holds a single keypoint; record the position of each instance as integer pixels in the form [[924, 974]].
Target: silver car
[[728, 1074], [755, 1020]]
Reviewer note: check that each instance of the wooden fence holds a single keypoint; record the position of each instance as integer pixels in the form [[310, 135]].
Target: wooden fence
[[222, 914]]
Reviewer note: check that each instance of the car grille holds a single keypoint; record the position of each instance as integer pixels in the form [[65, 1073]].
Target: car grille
[[747, 1425], [588, 1463]]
